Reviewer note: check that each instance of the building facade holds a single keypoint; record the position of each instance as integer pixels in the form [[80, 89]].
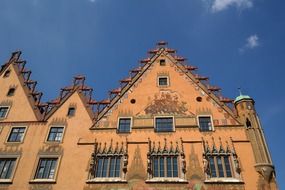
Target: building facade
[[164, 128]]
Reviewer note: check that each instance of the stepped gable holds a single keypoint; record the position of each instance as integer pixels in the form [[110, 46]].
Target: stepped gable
[[84, 91], [214, 92], [28, 85]]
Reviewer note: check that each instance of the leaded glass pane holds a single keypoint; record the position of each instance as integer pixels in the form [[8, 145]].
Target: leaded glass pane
[[220, 166], [205, 123], [227, 166], [212, 167]]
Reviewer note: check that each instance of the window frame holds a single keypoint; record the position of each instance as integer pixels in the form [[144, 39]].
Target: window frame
[[10, 156], [224, 169], [10, 133], [173, 124], [212, 123], [36, 165], [48, 133], [163, 76], [68, 111], [165, 166], [108, 168], [162, 62], [118, 125], [6, 112]]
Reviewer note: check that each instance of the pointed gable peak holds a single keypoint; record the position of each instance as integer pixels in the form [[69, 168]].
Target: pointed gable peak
[[78, 85], [23, 74], [163, 52]]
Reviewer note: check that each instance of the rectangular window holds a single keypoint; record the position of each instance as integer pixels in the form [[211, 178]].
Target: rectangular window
[[46, 168], [17, 134], [205, 123], [220, 166], [165, 166], [71, 111], [163, 81], [6, 167], [55, 134], [164, 124], [124, 125], [108, 166], [162, 62], [3, 111]]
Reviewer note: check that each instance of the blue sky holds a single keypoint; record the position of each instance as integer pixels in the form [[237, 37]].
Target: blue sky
[[237, 43]]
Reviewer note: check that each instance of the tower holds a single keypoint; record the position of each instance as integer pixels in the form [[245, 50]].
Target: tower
[[245, 108]]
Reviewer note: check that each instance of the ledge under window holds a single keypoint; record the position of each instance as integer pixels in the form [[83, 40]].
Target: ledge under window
[[223, 180], [42, 181], [6, 181], [166, 180], [106, 180]]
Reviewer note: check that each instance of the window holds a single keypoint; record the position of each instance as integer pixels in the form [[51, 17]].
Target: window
[[164, 124], [46, 168], [71, 111], [165, 166], [220, 166], [7, 167], [163, 81], [162, 62], [7, 74], [11, 92], [205, 123], [3, 111], [55, 134], [16, 134], [108, 166], [166, 162], [124, 125]]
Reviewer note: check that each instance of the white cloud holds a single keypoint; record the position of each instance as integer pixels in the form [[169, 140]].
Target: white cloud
[[219, 5], [251, 43], [92, 1]]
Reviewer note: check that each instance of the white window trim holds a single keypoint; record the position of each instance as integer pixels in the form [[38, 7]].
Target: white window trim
[[164, 116], [10, 131], [198, 123], [42, 156], [10, 180], [118, 123], [6, 112], [163, 76], [56, 142]]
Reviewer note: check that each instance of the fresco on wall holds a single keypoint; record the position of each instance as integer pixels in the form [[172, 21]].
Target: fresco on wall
[[167, 102]]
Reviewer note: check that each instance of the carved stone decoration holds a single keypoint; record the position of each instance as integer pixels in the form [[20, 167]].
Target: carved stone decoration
[[167, 102], [137, 169], [11, 149], [266, 171], [102, 150]]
